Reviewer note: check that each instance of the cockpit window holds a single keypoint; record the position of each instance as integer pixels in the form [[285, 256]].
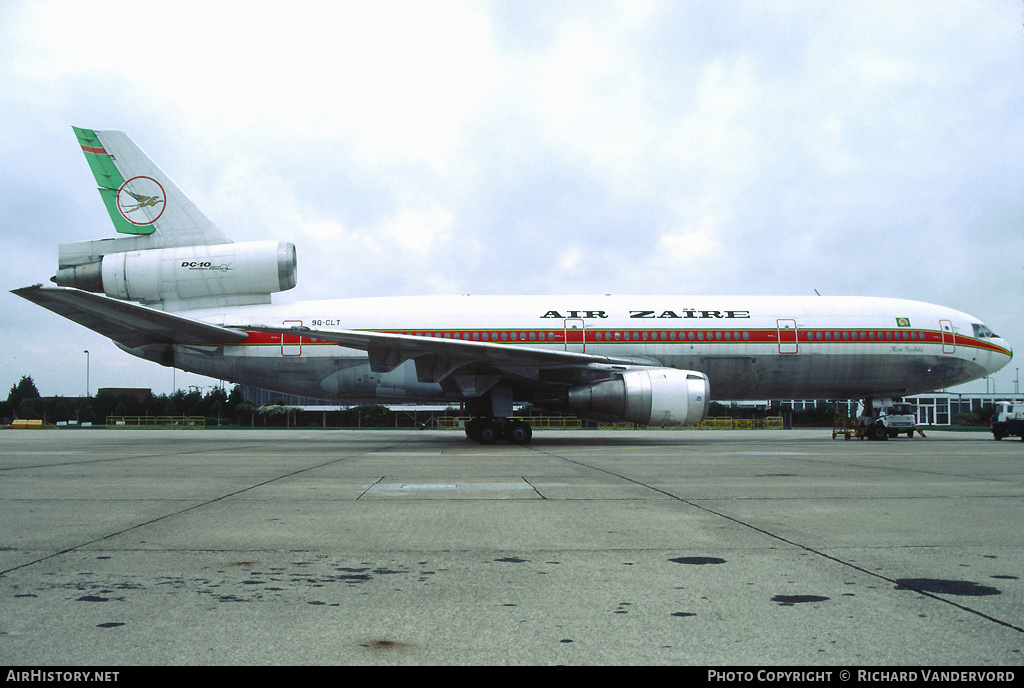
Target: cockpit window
[[982, 331]]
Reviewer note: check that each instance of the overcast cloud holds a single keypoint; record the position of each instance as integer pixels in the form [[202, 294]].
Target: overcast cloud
[[867, 148]]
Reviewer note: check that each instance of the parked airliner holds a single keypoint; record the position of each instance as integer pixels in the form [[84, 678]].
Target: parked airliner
[[175, 290]]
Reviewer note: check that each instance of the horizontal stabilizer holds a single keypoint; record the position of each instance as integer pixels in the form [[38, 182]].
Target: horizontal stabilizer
[[127, 323]]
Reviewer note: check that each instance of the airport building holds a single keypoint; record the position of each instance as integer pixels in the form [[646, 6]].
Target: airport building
[[936, 408]]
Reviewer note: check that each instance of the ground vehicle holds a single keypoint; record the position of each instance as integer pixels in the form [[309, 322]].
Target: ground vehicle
[[879, 419], [1008, 420], [897, 418]]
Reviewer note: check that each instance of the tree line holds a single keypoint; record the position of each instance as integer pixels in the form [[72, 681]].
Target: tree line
[[218, 406], [24, 401]]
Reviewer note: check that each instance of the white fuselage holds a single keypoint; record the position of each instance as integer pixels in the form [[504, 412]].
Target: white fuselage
[[750, 347]]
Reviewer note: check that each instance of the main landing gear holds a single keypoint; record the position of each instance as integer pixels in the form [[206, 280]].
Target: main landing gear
[[490, 430]]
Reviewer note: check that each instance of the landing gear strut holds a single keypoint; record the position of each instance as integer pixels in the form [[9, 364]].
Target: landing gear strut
[[490, 430]]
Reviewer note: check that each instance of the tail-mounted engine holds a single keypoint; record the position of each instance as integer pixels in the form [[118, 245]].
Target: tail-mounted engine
[[650, 396], [190, 276]]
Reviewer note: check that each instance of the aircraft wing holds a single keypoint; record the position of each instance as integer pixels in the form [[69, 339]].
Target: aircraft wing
[[127, 323], [437, 358], [134, 325]]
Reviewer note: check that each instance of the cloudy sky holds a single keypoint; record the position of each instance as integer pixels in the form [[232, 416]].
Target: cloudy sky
[[688, 147]]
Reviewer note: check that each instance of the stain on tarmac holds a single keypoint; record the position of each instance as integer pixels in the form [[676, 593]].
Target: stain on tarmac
[[238, 582], [697, 561], [790, 600], [946, 587]]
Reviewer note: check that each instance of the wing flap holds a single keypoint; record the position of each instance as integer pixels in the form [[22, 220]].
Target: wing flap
[[127, 323]]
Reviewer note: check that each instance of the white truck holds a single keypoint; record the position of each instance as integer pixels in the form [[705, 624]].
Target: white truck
[[898, 418], [885, 418], [1008, 420]]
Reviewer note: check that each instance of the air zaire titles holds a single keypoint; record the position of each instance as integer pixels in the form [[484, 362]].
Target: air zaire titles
[[686, 313]]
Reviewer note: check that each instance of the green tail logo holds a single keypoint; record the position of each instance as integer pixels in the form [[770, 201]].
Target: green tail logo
[[133, 205]]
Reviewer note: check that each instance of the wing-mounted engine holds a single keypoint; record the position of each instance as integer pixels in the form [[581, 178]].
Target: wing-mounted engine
[[649, 396], [185, 277]]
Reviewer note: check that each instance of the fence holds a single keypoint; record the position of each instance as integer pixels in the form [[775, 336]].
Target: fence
[[570, 423], [456, 422], [725, 423], [171, 422], [544, 422], [769, 423]]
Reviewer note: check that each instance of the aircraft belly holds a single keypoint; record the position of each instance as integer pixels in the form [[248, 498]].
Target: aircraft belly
[[336, 374], [821, 376], [298, 375], [353, 378]]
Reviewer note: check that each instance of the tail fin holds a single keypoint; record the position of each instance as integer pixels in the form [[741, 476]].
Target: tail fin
[[141, 200]]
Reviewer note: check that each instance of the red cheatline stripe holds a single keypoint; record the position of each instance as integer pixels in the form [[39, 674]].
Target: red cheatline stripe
[[627, 337], [93, 149]]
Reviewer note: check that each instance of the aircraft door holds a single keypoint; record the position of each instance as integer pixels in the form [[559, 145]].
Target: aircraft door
[[291, 344], [575, 335], [788, 336], [948, 337]]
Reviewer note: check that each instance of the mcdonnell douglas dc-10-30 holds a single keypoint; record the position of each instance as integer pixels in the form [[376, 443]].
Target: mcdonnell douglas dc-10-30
[[175, 290]]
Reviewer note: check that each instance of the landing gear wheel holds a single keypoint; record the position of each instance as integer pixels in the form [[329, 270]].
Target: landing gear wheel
[[488, 431], [518, 432]]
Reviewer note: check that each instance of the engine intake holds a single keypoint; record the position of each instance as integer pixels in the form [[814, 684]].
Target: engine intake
[[650, 396], [222, 274]]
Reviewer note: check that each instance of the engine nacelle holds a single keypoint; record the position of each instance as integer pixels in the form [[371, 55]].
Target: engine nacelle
[[225, 274], [650, 396]]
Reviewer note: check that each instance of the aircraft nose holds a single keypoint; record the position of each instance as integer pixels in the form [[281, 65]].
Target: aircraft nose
[[1002, 358]]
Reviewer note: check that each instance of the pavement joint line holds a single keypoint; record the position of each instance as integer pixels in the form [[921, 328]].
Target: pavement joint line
[[805, 548], [181, 511]]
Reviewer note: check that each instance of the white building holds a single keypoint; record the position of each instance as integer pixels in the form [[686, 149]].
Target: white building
[[936, 408]]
